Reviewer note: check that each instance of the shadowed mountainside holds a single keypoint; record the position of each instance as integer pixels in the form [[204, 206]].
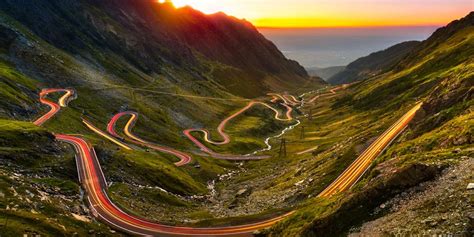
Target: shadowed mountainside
[[325, 73], [373, 64], [180, 69], [149, 35], [176, 68]]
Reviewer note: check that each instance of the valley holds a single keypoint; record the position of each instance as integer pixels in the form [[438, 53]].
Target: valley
[[118, 118], [93, 179]]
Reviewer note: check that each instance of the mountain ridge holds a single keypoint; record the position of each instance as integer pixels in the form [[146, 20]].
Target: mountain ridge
[[148, 34], [373, 64], [138, 95], [439, 73], [440, 35], [325, 72]]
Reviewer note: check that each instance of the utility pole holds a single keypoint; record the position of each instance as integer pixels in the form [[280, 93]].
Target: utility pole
[[282, 151], [302, 133], [310, 115]]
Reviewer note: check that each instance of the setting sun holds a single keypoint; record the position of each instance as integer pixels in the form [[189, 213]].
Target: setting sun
[[206, 6], [337, 13], [227, 118]]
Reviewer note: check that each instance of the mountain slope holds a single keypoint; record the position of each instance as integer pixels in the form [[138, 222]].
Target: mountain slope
[[373, 64], [435, 42], [136, 56], [327, 72], [148, 35], [145, 58], [440, 73]]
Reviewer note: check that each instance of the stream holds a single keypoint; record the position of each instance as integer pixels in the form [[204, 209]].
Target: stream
[[289, 128]]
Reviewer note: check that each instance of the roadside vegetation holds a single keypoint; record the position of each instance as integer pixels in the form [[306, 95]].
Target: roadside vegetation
[[39, 188]]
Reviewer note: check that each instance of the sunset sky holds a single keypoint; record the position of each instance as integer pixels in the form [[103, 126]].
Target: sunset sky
[[337, 13]]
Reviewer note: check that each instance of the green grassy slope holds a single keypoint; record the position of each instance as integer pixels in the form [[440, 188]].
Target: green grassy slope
[[441, 134], [110, 76], [38, 186], [198, 92], [373, 64]]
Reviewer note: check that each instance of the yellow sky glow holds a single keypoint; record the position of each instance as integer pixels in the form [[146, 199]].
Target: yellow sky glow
[[336, 13]]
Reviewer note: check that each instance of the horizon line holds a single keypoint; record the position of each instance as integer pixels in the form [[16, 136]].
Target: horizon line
[[347, 27]]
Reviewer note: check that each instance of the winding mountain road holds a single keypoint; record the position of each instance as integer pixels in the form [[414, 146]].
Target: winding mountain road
[[184, 157], [93, 181], [356, 170], [276, 97], [54, 106], [331, 92], [292, 99], [226, 139], [107, 136]]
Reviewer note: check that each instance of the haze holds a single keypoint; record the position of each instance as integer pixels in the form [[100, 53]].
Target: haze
[[336, 13], [324, 47]]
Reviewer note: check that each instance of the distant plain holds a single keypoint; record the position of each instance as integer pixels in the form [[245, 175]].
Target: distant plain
[[326, 47]]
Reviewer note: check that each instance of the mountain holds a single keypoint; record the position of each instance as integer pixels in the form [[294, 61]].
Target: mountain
[[176, 68], [437, 40], [373, 64], [421, 179], [148, 35], [180, 85], [325, 73]]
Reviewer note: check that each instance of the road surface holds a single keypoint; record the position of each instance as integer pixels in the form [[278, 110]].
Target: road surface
[[331, 92], [307, 150], [94, 183], [276, 97], [54, 106], [93, 180], [354, 172], [207, 150], [184, 157], [107, 136], [225, 136], [292, 99]]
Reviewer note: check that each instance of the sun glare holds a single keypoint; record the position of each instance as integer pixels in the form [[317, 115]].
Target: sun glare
[[206, 6], [311, 13]]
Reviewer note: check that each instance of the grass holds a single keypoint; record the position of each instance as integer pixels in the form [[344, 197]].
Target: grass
[[393, 88], [341, 127], [247, 131], [65, 186], [239, 220], [152, 170], [440, 78], [443, 140], [15, 91], [23, 211]]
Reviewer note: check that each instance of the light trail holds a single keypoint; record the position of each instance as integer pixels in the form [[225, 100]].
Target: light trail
[[93, 181], [355, 171], [225, 136], [184, 158], [104, 134], [54, 107]]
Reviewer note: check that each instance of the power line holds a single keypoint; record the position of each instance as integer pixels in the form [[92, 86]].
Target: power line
[[302, 133], [282, 151]]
